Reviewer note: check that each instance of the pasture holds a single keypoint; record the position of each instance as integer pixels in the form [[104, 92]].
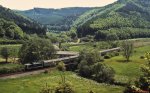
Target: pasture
[[128, 71], [33, 84]]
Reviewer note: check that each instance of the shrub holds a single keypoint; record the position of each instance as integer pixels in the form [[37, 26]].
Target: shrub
[[116, 53], [64, 88], [142, 57], [46, 89], [103, 73], [61, 66], [84, 69], [107, 56]]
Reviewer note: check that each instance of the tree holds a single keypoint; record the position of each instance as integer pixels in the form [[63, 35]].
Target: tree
[[90, 56], [73, 33], [2, 32], [5, 53], [36, 49], [112, 37], [87, 58], [127, 48], [103, 73], [85, 70]]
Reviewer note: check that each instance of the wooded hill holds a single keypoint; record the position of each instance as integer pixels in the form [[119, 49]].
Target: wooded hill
[[27, 25], [55, 19], [120, 20]]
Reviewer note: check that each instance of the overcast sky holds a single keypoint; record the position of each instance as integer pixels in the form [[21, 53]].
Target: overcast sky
[[29, 4]]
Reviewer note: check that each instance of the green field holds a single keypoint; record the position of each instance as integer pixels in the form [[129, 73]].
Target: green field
[[126, 71], [32, 84]]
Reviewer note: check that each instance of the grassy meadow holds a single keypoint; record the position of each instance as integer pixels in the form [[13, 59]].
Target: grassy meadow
[[33, 84], [127, 71]]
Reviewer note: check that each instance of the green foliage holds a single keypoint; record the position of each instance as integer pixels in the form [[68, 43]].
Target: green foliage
[[5, 53], [127, 48], [73, 33], [53, 37], [61, 66], [103, 73], [120, 20], [55, 19], [27, 25], [90, 56], [46, 89], [87, 58], [36, 49], [10, 30], [85, 70], [90, 68], [64, 88]]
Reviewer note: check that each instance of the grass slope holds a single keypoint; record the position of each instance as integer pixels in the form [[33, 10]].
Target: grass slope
[[32, 84], [127, 71]]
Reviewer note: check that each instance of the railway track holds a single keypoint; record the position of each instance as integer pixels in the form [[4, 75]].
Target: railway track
[[74, 56]]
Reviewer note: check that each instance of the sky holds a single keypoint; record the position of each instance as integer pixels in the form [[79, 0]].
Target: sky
[[29, 4]]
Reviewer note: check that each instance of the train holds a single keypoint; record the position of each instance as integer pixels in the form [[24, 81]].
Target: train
[[47, 63], [38, 65]]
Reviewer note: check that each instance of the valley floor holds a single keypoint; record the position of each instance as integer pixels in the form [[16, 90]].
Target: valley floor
[[125, 72]]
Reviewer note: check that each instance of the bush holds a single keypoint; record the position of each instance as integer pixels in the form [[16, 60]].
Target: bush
[[142, 57], [103, 73], [46, 89], [107, 56], [85, 69], [117, 54], [64, 88]]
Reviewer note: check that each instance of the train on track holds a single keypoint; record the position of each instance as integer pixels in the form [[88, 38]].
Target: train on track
[[49, 63]]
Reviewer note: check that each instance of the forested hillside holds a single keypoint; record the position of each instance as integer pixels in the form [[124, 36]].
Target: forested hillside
[[27, 25], [55, 19], [10, 30], [120, 20]]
